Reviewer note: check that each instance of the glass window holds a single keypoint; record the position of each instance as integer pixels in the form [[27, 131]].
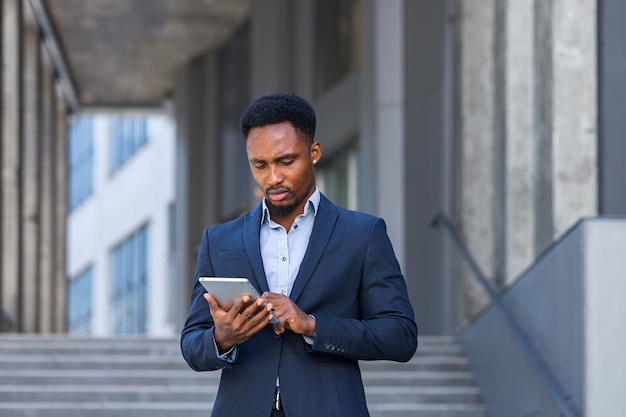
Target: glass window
[[337, 36], [129, 269], [80, 300], [80, 158], [128, 134], [336, 178]]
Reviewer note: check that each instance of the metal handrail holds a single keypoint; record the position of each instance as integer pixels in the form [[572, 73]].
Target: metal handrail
[[545, 376]]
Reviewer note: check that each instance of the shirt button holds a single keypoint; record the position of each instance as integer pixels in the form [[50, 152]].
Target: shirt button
[[284, 258], [295, 226]]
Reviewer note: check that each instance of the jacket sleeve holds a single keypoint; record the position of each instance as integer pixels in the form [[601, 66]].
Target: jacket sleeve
[[386, 328], [197, 342]]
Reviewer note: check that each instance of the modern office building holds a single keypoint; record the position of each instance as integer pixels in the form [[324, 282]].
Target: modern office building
[[505, 115], [121, 199]]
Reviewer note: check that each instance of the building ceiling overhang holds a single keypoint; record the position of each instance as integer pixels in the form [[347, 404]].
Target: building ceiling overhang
[[126, 53]]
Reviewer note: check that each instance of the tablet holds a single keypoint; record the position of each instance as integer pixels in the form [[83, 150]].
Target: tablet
[[227, 290]]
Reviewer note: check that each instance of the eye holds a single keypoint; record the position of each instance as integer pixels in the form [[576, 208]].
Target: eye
[[286, 162], [259, 165]]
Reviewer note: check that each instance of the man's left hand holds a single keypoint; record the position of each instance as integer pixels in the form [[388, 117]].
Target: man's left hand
[[289, 315]]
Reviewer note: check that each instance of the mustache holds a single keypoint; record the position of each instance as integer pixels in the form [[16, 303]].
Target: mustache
[[277, 189]]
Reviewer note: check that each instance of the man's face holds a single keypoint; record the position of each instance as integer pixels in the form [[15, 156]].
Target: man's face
[[282, 166]]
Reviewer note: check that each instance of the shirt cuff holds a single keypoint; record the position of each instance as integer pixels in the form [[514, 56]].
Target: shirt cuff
[[229, 356], [310, 340]]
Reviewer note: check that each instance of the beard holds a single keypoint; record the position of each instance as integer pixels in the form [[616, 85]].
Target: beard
[[282, 210]]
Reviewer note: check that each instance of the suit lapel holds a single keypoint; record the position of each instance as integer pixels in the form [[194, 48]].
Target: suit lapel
[[251, 237], [322, 230]]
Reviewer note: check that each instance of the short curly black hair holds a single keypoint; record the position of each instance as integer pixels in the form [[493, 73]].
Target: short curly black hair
[[277, 108]]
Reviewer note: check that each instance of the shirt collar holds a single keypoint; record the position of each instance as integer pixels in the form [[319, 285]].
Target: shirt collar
[[312, 204]]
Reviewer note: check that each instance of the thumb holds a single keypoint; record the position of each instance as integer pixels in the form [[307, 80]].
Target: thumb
[[211, 300]]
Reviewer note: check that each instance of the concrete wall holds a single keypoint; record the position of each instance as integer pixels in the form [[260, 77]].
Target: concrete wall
[[568, 306], [546, 303], [527, 134], [604, 309]]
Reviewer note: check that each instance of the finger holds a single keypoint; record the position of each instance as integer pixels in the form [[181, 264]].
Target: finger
[[252, 318], [278, 328], [280, 302], [289, 322], [252, 309], [213, 304], [271, 295], [240, 304]]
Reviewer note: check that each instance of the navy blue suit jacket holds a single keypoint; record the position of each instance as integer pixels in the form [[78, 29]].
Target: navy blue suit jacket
[[349, 280]]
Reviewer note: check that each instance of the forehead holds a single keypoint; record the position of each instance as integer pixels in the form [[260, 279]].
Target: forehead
[[273, 140]]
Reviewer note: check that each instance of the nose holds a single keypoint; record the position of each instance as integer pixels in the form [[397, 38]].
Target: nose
[[275, 176]]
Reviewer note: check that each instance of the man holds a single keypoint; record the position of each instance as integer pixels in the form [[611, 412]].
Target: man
[[328, 274]]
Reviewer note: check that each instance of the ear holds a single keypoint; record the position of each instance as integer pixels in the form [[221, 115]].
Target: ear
[[316, 152]]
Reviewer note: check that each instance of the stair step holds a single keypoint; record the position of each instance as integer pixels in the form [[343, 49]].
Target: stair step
[[105, 409], [200, 409], [426, 410], [417, 378], [430, 394], [68, 376], [102, 361], [106, 377], [139, 362]]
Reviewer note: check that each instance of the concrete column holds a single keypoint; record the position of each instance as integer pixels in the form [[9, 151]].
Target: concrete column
[[390, 134], [366, 157], [46, 239], [566, 147], [432, 275], [184, 236], [10, 163], [271, 37], [544, 222], [612, 102], [30, 180], [60, 215], [381, 153], [574, 169], [304, 46], [477, 145], [197, 167], [519, 131]]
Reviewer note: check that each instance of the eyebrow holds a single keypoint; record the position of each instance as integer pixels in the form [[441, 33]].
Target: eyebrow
[[278, 158]]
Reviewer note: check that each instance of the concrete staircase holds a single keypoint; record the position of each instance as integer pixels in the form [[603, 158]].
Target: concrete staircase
[[64, 376]]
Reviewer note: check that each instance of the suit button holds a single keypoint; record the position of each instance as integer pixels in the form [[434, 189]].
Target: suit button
[[326, 346]]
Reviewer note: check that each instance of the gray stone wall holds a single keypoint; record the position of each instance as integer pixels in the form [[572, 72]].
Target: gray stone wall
[[527, 140]]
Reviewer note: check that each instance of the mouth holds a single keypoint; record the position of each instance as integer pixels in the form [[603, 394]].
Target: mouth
[[277, 195]]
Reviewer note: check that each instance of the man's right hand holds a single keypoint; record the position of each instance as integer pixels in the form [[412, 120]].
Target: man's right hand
[[240, 322]]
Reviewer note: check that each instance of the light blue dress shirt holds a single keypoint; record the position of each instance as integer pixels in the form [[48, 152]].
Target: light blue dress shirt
[[282, 253]]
